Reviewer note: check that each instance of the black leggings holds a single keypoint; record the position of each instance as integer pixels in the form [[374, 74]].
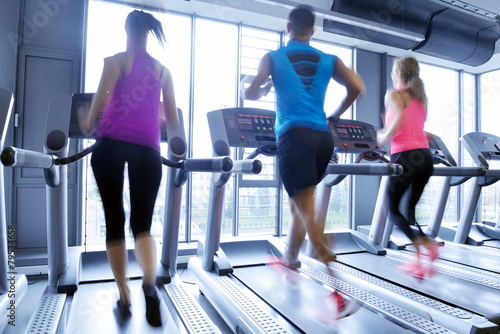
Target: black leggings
[[144, 172], [417, 169]]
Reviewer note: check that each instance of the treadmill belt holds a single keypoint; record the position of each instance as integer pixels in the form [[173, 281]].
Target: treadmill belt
[[92, 311], [307, 304], [474, 256], [96, 268], [446, 287]]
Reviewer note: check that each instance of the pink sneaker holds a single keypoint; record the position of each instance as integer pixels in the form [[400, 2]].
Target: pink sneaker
[[430, 270], [433, 252], [413, 268], [345, 307]]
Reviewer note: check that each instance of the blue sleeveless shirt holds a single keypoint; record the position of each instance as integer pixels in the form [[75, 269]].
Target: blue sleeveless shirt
[[301, 75]]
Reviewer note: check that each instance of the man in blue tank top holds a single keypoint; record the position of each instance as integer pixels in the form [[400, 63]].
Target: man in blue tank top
[[300, 75]]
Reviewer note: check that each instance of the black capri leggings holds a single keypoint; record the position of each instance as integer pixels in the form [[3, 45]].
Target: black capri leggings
[[417, 169], [144, 172]]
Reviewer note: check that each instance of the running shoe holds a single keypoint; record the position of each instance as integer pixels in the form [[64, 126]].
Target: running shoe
[[415, 269], [290, 261], [433, 252], [345, 307], [122, 312], [152, 305]]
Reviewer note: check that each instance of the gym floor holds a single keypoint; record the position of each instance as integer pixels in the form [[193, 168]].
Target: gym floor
[[37, 284]]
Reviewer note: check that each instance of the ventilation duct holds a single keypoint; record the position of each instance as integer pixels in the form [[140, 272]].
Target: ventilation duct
[[459, 37], [452, 34]]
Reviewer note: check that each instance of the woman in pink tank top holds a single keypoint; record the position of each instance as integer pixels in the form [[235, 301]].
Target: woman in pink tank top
[[128, 133], [406, 110]]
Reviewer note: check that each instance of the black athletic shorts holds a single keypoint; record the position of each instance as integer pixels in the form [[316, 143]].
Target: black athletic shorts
[[303, 155]]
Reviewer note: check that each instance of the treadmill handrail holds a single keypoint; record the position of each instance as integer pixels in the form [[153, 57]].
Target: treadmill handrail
[[495, 173], [460, 171], [16, 157], [364, 169], [217, 164]]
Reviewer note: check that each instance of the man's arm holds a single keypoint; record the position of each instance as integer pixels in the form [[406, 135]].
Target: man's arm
[[353, 84], [261, 84]]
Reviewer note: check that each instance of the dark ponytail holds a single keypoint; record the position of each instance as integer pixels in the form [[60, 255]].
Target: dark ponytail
[[139, 22]]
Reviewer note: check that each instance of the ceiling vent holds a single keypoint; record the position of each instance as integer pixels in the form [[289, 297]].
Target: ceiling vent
[[452, 30]]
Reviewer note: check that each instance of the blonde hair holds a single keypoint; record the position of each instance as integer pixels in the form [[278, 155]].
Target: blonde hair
[[408, 70]]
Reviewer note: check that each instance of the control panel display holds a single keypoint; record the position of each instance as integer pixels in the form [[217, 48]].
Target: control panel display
[[482, 144], [243, 127], [351, 132], [355, 137], [253, 123], [490, 143], [80, 106]]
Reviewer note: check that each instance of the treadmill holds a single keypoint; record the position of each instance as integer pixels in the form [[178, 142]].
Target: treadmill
[[254, 296], [483, 148], [81, 291], [13, 286], [459, 299]]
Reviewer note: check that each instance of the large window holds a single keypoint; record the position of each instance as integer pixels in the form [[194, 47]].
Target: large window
[[338, 209], [207, 78], [215, 82], [442, 87], [490, 100], [257, 196]]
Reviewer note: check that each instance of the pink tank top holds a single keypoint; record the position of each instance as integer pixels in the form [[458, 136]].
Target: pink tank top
[[131, 114], [411, 135]]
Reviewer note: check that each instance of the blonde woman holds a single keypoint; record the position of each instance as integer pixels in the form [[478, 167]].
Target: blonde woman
[[406, 112]]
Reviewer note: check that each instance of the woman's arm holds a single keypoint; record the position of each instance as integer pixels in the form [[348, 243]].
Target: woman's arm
[[110, 74], [395, 103], [169, 104]]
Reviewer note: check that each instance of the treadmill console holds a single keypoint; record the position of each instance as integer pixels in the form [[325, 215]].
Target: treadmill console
[[439, 151], [80, 105], [351, 136], [254, 128], [243, 127], [482, 147]]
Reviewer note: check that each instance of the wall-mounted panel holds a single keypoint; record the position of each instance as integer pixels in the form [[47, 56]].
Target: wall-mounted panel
[[31, 217], [8, 42], [372, 67], [44, 74], [53, 24]]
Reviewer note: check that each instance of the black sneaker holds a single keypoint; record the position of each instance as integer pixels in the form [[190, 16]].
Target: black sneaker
[[122, 312], [152, 305]]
